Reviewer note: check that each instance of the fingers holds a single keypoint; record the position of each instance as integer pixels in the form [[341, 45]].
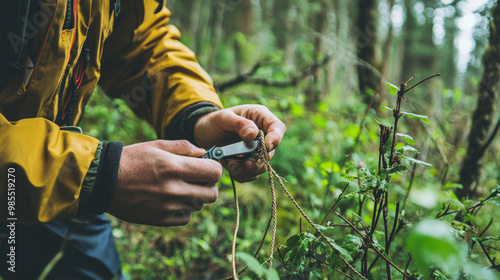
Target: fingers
[[245, 171], [245, 128], [198, 170], [191, 194], [179, 147], [265, 120]]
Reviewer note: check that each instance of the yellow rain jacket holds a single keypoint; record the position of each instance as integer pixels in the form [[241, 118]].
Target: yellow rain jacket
[[71, 47]]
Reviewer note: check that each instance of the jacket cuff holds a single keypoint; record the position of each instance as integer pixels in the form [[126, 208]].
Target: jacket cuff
[[103, 173], [182, 126]]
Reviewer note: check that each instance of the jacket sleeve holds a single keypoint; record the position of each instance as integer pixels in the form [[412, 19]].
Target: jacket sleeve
[[42, 169], [145, 64]]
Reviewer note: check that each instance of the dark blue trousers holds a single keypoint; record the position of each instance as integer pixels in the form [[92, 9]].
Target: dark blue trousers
[[90, 253]]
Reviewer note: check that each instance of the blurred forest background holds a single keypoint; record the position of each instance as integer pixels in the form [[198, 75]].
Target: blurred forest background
[[321, 66]]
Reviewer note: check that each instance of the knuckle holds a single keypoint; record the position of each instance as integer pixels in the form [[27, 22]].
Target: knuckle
[[213, 195], [218, 173], [263, 108], [170, 168], [184, 145]]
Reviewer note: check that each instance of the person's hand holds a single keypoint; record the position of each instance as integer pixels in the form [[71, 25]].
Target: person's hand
[[240, 123], [161, 182]]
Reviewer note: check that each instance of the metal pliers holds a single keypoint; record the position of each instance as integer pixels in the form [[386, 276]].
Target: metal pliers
[[241, 150]]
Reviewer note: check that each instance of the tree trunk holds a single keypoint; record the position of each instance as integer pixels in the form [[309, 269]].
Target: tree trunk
[[313, 92], [386, 54], [367, 41], [219, 8], [482, 118]]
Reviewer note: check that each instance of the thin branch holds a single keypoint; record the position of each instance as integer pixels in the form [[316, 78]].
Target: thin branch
[[345, 274], [350, 224], [488, 255], [241, 78], [334, 204], [486, 228], [430, 77], [407, 265], [293, 81], [389, 261]]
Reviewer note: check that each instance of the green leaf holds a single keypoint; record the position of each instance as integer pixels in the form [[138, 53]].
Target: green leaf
[[432, 243], [450, 185], [423, 118], [314, 274], [341, 250], [407, 138], [416, 161], [252, 263], [272, 274], [394, 170], [393, 89], [387, 108], [327, 230], [405, 149], [494, 200], [299, 246], [350, 242]]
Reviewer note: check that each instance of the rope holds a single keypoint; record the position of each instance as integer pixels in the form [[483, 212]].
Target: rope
[[263, 155], [274, 216], [237, 224], [272, 174]]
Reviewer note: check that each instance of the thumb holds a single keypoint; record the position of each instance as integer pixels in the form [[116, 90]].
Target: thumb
[[246, 129], [179, 147]]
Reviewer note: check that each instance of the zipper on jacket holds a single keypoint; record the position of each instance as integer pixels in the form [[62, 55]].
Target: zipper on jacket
[[64, 115], [60, 93], [68, 19]]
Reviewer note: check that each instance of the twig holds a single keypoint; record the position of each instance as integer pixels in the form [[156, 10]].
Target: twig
[[241, 78], [345, 274], [407, 265], [281, 258], [430, 77], [350, 224], [486, 228], [487, 254], [264, 236], [334, 204], [393, 232], [386, 233], [294, 80], [389, 261]]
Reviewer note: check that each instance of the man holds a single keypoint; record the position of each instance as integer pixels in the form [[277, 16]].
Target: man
[[55, 54]]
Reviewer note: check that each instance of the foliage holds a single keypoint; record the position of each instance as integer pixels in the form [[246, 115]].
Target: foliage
[[330, 142]]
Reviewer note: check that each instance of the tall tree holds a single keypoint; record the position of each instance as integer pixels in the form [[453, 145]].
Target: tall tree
[[367, 43], [319, 18], [480, 136]]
